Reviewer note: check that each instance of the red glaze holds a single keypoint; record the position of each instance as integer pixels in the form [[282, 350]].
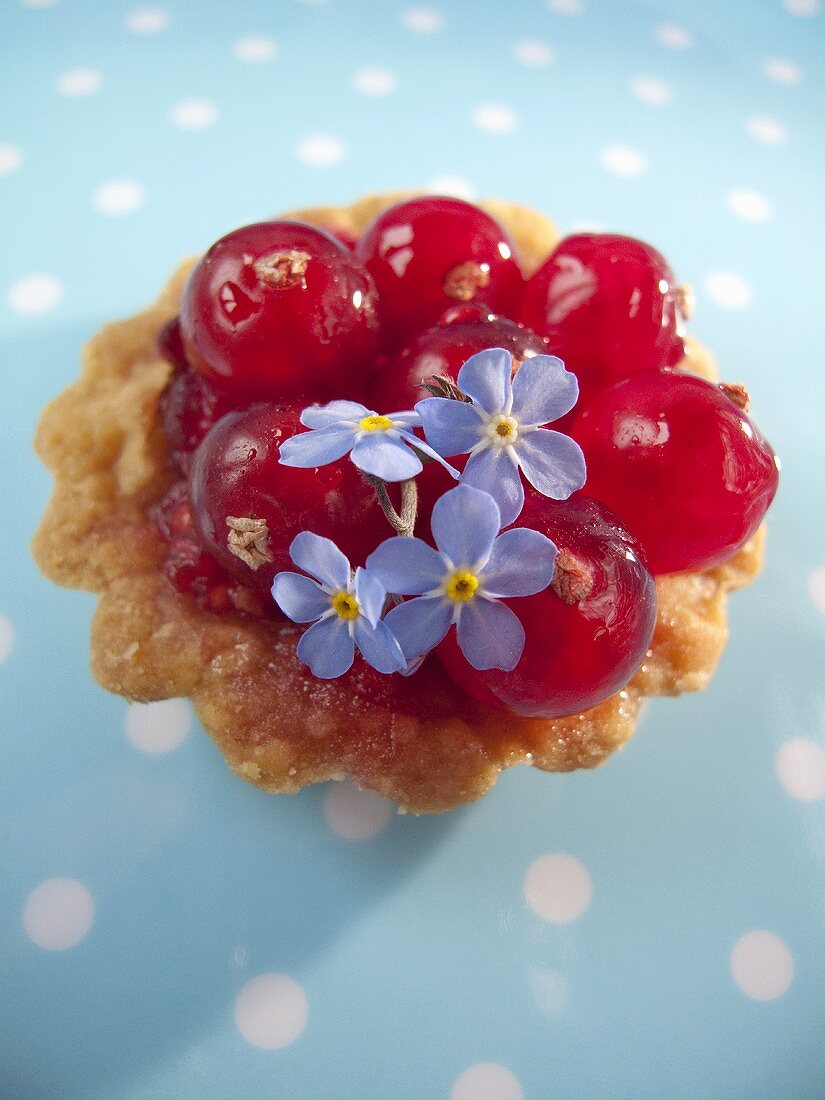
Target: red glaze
[[609, 306], [170, 343], [236, 472], [279, 310], [684, 467], [189, 408], [443, 350], [431, 253], [576, 653]]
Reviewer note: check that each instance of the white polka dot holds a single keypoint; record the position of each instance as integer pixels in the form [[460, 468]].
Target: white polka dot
[[320, 150], [58, 914], [495, 118], [487, 1081], [816, 587], [728, 290], [147, 21], [79, 82], [673, 36], [422, 20], [558, 888], [761, 965], [10, 159], [651, 90], [375, 82], [38, 3], [802, 8], [623, 161], [781, 72], [271, 1011], [533, 54], [158, 727], [255, 49], [353, 813], [456, 186], [749, 205], [766, 130], [566, 7], [587, 226], [6, 638], [312, 1], [35, 294], [800, 769], [119, 197], [194, 114]]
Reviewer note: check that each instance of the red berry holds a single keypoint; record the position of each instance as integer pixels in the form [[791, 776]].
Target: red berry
[[170, 343], [681, 463], [609, 305], [278, 310], [430, 253], [248, 508], [189, 408], [443, 349], [585, 635]]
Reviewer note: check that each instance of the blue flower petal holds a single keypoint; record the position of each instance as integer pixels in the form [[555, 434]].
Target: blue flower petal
[[324, 416], [490, 635], [543, 390], [464, 523], [385, 457], [300, 599], [425, 449], [552, 462], [316, 448], [408, 567], [451, 427], [370, 594], [420, 624], [407, 418], [379, 647], [486, 378], [322, 559], [493, 471], [327, 648], [521, 563]]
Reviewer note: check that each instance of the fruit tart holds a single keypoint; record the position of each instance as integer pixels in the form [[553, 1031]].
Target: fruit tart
[[409, 491]]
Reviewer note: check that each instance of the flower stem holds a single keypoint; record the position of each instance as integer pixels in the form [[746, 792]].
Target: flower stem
[[403, 524]]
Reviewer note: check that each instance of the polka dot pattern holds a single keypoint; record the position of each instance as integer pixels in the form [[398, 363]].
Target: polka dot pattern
[[375, 82], [781, 71], [147, 21], [321, 151], [767, 131], [558, 888], [6, 638], [535, 55], [271, 1011], [119, 197], [160, 727], [355, 814], [58, 914], [10, 159], [487, 1081], [495, 118], [800, 769], [80, 83], [423, 20], [255, 50], [456, 186], [673, 36], [35, 294], [762, 966], [729, 290], [816, 587], [194, 114], [651, 90], [749, 205], [622, 160]]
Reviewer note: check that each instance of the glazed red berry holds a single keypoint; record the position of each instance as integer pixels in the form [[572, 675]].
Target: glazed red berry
[[681, 463], [248, 508], [430, 253], [189, 408], [588, 633], [170, 343], [279, 310], [443, 349], [609, 305]]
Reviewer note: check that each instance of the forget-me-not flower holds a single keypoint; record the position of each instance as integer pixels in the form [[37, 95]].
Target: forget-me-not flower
[[344, 608], [377, 444], [501, 428], [463, 580]]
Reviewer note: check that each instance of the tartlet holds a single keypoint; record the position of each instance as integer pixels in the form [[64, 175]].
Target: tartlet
[[423, 743]]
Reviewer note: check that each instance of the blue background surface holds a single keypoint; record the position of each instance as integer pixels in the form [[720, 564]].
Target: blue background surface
[[416, 951]]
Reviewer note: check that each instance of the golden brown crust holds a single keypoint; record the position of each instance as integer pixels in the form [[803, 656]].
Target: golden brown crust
[[277, 728]]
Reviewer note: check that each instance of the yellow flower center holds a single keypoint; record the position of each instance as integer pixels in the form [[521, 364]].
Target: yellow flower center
[[375, 424], [503, 430], [461, 586], [345, 605]]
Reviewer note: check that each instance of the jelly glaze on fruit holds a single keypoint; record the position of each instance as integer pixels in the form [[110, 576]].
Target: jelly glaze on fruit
[[427, 745]]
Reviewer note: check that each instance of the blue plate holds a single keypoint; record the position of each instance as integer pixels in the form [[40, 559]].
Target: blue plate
[[654, 929]]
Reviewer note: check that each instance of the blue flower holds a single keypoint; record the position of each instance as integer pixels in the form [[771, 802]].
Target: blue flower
[[345, 609], [377, 444], [500, 428], [462, 581]]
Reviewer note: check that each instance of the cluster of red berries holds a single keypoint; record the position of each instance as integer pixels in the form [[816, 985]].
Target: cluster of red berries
[[279, 315]]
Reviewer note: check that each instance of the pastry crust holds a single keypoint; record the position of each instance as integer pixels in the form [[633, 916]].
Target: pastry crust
[[279, 729]]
